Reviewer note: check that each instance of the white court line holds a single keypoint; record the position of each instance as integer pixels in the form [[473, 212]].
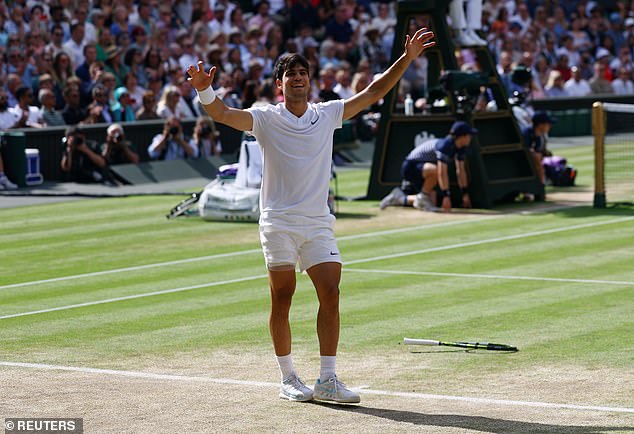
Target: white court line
[[131, 297], [246, 383], [490, 240], [230, 254], [357, 261], [492, 276]]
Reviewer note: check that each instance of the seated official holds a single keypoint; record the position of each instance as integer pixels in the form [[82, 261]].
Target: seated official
[[536, 139], [426, 167]]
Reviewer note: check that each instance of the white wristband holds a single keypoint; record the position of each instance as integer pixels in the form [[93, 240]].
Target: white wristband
[[206, 96]]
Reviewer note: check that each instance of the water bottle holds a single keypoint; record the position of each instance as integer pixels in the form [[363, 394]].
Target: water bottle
[[409, 105]]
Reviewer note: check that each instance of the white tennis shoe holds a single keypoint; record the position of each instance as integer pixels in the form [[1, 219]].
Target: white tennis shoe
[[423, 202], [294, 389], [335, 391], [395, 198]]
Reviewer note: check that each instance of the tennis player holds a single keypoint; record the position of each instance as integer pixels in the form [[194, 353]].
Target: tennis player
[[296, 227]]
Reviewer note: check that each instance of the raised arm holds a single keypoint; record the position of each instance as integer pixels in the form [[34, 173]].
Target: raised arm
[[381, 86], [235, 118]]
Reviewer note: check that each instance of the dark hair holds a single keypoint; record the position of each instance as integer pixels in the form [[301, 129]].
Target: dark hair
[[288, 61], [21, 91]]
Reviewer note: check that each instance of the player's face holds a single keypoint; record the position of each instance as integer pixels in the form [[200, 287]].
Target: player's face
[[296, 83]]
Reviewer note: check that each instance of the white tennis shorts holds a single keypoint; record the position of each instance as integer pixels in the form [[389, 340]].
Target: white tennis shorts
[[299, 240]]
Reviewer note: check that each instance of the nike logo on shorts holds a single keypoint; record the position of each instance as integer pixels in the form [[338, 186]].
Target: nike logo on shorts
[[334, 253]]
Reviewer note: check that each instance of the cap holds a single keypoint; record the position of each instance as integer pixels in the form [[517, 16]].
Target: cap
[[602, 52], [214, 47], [461, 128], [542, 118], [310, 42], [112, 51], [119, 92], [615, 17], [371, 28], [629, 21]]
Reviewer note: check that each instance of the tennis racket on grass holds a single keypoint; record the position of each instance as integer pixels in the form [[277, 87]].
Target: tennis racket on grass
[[469, 345]]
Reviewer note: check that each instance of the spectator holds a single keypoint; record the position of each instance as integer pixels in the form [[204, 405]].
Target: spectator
[[577, 85], [327, 83], [136, 92], [262, 19], [343, 88], [122, 110], [218, 24], [171, 144], [74, 47], [90, 56], [205, 137], [168, 104], [536, 139], [188, 103], [8, 118], [73, 112], [303, 12], [29, 114], [426, 167], [115, 66], [148, 108], [17, 64], [59, 20], [56, 45], [62, 69], [48, 115], [598, 83], [119, 21], [384, 20], [133, 60], [80, 16], [372, 49], [116, 149], [155, 64], [99, 110], [623, 85], [339, 29], [555, 86], [80, 160]]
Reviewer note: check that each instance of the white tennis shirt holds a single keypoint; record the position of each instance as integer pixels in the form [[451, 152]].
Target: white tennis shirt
[[297, 157]]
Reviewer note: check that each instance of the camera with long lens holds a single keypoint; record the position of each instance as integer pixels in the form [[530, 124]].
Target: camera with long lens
[[465, 86], [521, 77], [205, 130], [173, 131]]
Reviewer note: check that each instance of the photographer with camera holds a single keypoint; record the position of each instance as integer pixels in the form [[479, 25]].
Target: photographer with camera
[[206, 137], [116, 149], [171, 143], [80, 161]]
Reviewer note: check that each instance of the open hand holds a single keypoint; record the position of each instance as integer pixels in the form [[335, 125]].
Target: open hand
[[198, 78], [418, 43]]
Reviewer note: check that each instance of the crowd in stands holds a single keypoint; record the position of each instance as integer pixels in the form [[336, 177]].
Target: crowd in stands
[[67, 62]]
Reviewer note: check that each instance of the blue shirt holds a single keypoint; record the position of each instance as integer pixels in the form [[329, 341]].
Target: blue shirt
[[433, 150]]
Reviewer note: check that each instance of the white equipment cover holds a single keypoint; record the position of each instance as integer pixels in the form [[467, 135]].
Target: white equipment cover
[[236, 199]]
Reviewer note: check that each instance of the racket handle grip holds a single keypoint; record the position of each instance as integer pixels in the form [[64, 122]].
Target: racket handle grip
[[409, 341]]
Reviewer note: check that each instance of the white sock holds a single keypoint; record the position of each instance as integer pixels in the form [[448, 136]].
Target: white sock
[[286, 365], [327, 367]]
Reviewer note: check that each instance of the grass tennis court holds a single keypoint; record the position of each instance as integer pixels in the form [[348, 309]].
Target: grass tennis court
[[112, 313]]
